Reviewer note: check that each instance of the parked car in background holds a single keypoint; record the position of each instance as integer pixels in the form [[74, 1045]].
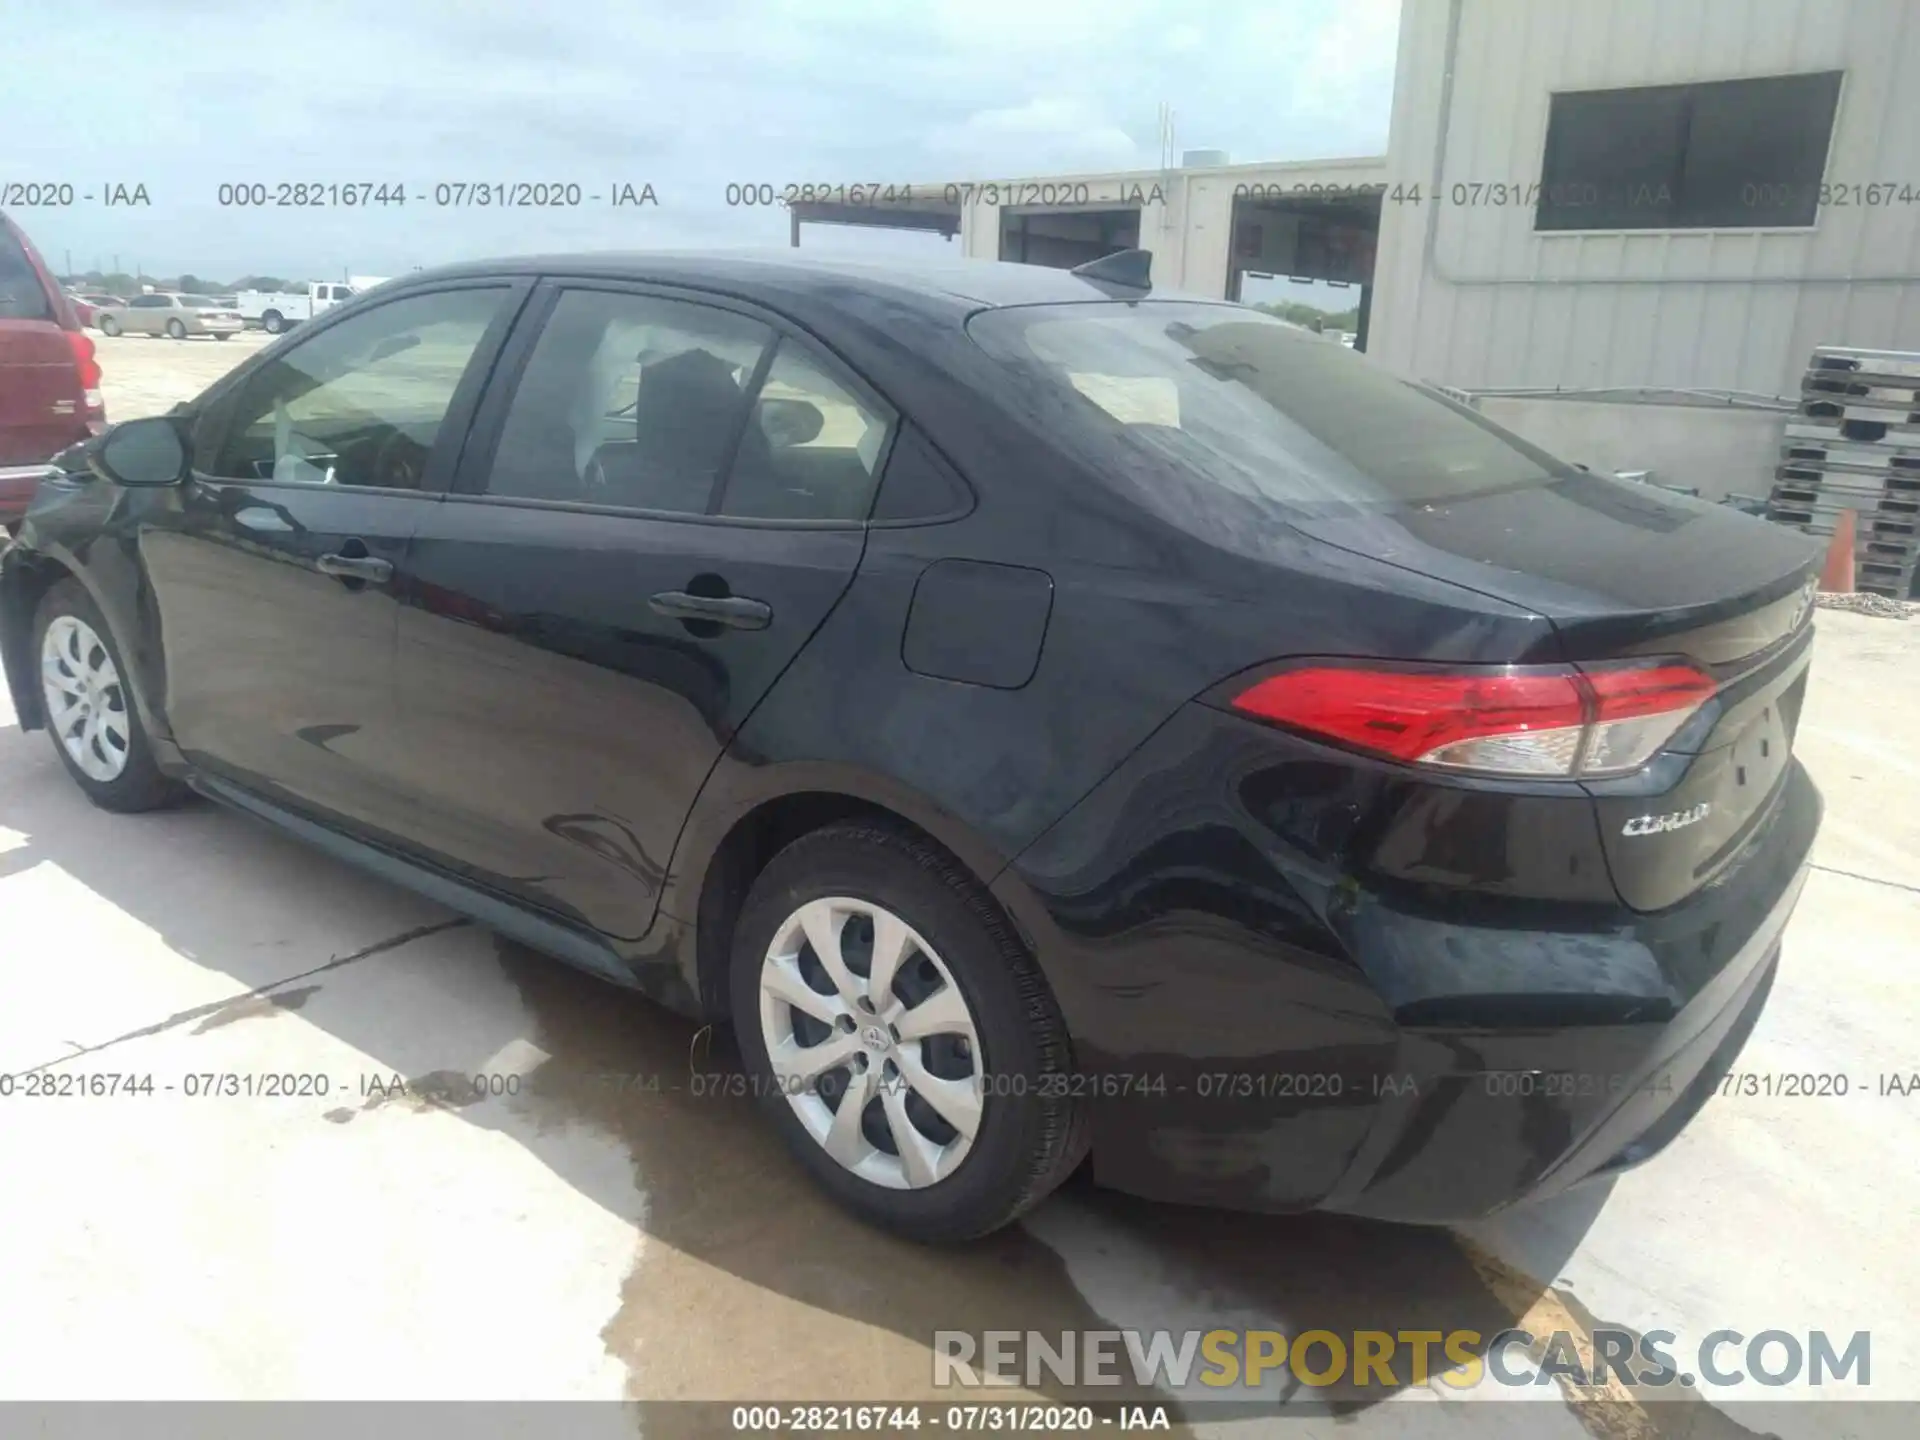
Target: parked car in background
[[178, 317], [274, 311], [89, 305], [49, 378], [1039, 713]]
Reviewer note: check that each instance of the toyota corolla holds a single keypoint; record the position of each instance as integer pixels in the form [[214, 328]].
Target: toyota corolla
[[1049, 719]]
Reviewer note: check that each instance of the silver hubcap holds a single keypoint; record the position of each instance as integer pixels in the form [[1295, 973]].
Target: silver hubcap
[[86, 705], [872, 1042]]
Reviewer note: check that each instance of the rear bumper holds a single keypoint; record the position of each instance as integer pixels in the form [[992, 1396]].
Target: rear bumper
[[1519, 1117], [1257, 1027]]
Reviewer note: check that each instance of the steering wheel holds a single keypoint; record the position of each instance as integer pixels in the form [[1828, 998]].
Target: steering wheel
[[399, 464]]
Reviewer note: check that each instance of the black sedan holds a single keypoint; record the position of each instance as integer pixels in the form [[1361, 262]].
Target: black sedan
[[1048, 719]]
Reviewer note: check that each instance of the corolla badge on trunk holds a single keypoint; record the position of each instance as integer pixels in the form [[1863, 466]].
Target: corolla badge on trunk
[[1660, 824]]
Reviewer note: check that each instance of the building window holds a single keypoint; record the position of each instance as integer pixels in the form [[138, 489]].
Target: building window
[[1728, 154]]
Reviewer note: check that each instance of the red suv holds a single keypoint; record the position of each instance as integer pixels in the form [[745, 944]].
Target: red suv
[[49, 379]]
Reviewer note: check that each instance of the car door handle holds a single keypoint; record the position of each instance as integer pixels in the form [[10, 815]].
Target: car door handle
[[733, 610], [355, 567]]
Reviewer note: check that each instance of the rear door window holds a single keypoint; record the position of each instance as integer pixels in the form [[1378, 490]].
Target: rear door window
[[1174, 396], [629, 400]]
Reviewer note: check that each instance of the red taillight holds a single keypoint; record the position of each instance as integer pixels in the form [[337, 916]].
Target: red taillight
[[83, 360], [1636, 710], [89, 373], [1627, 693], [1495, 721]]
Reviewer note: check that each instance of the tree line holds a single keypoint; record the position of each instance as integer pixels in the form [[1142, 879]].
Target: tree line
[[118, 282], [1295, 313]]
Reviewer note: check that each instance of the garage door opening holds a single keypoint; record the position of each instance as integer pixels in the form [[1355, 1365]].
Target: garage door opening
[[1300, 239], [1062, 239], [901, 212]]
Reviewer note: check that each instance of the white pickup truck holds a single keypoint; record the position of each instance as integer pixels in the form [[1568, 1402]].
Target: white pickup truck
[[274, 312]]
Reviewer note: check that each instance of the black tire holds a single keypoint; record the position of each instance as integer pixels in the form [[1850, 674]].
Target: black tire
[[272, 323], [140, 785], [109, 325], [223, 336], [175, 330], [1029, 1140]]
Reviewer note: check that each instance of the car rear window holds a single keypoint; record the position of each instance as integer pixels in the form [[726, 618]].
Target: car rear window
[[200, 302], [1224, 396], [22, 295]]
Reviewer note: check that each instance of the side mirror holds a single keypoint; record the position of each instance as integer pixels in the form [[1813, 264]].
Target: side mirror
[[141, 453]]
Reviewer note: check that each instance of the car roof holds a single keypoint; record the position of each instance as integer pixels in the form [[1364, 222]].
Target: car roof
[[784, 273]]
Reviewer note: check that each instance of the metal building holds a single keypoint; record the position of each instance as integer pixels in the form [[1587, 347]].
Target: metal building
[[1785, 132]]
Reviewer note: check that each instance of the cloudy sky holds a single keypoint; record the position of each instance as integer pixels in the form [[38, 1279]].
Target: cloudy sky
[[183, 95]]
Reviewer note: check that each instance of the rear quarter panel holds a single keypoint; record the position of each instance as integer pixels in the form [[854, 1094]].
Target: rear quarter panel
[[1143, 617]]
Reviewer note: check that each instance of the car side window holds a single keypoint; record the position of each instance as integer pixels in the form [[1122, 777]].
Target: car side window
[[22, 295], [360, 403], [813, 449], [628, 400]]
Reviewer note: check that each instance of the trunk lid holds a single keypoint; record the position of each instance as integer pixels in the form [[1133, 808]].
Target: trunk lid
[[1622, 571]]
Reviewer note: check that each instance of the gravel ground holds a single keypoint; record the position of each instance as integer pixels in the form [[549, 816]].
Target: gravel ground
[[145, 376]]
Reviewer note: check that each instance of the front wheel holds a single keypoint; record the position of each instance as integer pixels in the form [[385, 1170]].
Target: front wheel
[[109, 325], [90, 711], [222, 335], [900, 1037]]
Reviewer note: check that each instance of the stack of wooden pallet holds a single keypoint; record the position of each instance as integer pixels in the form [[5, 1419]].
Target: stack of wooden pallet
[[1854, 445]]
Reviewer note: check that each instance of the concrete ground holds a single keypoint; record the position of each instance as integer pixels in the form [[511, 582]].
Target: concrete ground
[[148, 375], [397, 1237]]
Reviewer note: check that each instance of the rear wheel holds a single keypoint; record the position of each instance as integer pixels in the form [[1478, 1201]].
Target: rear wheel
[[222, 335], [90, 712], [175, 330], [272, 322], [899, 1036]]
